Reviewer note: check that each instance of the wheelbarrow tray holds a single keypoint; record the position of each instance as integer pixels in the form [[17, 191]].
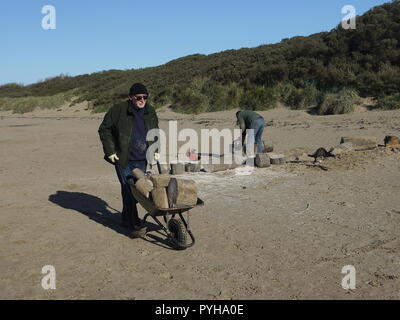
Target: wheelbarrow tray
[[155, 211]]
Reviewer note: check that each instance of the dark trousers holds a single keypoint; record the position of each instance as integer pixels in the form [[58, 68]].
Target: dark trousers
[[129, 209]]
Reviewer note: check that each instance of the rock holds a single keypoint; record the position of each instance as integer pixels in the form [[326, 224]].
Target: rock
[[361, 142], [392, 142], [320, 153]]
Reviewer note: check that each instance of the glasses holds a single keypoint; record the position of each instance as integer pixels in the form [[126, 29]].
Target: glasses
[[140, 98]]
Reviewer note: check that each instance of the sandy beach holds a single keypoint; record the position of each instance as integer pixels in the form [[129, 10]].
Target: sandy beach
[[283, 232]]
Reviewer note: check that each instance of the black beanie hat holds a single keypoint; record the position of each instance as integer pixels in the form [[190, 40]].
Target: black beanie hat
[[137, 88]]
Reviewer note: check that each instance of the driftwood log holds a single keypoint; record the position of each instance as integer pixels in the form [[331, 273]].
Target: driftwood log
[[144, 186], [361, 142], [160, 198], [181, 192], [262, 160], [160, 181], [215, 167]]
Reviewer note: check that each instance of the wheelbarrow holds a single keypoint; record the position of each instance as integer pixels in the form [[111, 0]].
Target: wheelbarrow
[[175, 229]]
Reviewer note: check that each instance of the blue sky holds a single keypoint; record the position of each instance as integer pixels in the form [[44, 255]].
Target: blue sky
[[92, 36]]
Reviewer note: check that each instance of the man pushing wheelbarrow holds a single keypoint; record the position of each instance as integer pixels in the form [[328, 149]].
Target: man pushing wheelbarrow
[[123, 135]]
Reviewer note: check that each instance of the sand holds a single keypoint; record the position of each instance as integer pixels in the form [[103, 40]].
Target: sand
[[284, 232]]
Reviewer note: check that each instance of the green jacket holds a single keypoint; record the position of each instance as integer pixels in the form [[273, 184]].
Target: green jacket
[[116, 129], [245, 118]]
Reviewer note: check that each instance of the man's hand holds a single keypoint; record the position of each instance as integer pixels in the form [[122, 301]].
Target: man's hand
[[156, 156], [113, 158]]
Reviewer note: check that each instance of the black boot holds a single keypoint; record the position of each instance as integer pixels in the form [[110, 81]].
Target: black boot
[[138, 230]]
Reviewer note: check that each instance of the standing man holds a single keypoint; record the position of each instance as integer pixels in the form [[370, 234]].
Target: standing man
[[250, 120], [123, 135]]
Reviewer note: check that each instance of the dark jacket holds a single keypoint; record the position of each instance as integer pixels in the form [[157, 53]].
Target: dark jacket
[[116, 129]]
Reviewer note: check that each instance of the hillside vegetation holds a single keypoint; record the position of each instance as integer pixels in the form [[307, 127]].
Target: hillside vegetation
[[321, 70]]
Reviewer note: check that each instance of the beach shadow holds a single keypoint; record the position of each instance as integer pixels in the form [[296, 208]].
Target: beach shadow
[[101, 212]]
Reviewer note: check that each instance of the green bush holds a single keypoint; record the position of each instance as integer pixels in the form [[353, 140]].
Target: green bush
[[191, 101], [389, 102], [224, 97], [285, 90], [338, 103], [28, 104], [259, 98]]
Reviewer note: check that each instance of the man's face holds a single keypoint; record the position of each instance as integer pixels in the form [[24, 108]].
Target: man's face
[[139, 100]]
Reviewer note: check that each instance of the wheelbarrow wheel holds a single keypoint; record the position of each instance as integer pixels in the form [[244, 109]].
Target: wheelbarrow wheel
[[178, 233]]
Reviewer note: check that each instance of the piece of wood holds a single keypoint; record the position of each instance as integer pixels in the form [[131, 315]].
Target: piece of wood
[[177, 168], [277, 158], [164, 168], [192, 167], [160, 198], [181, 192], [138, 174], [144, 186], [215, 167], [262, 160], [361, 142], [161, 180]]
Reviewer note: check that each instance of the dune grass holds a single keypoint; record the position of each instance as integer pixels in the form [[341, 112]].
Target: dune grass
[[28, 104]]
